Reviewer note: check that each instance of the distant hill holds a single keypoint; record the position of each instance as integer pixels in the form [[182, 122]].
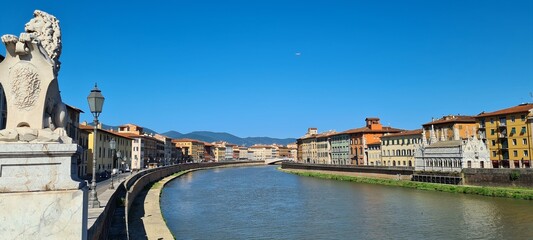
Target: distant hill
[[207, 136]]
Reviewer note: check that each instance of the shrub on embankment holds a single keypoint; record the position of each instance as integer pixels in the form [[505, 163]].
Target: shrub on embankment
[[518, 193]]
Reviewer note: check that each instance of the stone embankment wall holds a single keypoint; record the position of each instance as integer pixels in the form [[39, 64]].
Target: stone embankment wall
[[385, 171], [131, 188], [136, 184], [501, 177]]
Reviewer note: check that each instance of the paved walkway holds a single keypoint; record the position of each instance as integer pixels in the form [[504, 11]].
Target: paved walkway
[[147, 208]]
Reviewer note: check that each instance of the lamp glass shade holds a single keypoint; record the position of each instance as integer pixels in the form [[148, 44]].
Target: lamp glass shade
[[112, 144], [96, 100]]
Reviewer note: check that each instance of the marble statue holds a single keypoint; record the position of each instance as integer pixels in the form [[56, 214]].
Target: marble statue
[[42, 197], [28, 75]]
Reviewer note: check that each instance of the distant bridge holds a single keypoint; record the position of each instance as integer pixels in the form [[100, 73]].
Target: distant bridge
[[271, 161]]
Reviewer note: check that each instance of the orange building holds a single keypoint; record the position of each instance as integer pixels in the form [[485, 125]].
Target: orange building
[[361, 137]]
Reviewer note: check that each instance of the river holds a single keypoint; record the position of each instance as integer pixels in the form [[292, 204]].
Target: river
[[264, 203]]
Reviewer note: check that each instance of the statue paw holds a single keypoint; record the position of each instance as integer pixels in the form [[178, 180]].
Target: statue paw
[[8, 38], [25, 37]]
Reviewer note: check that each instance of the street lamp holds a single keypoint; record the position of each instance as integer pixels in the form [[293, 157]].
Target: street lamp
[[113, 146], [96, 103]]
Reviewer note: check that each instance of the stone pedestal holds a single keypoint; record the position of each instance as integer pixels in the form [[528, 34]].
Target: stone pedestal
[[40, 195]]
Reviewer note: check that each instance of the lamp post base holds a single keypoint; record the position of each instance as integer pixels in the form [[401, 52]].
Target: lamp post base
[[93, 199]]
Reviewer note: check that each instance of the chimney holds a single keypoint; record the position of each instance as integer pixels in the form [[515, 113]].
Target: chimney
[[373, 123]]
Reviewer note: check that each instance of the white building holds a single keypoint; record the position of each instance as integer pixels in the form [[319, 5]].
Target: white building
[[451, 155]]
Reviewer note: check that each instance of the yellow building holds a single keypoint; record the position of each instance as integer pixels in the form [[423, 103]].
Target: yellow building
[[374, 153], [192, 149], [398, 149], [105, 161], [508, 135], [307, 147]]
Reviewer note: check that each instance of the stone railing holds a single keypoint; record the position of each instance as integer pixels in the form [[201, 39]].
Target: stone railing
[[389, 170], [127, 191], [111, 199], [136, 184]]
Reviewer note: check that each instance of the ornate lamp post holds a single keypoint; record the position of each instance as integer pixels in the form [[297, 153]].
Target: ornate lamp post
[[96, 103], [113, 146]]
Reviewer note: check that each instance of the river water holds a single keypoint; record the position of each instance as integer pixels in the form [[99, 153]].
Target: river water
[[264, 203]]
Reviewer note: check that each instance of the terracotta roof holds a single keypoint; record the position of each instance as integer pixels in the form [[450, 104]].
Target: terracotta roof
[[452, 119], [91, 129], [130, 124], [404, 133], [186, 140], [522, 108], [74, 108], [261, 146], [368, 130]]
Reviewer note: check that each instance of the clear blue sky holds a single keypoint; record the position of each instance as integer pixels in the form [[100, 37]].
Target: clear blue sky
[[231, 66]]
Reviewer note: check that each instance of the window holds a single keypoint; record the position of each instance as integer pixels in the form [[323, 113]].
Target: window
[[524, 141], [515, 153], [526, 153], [512, 118], [492, 132], [523, 118], [494, 153], [492, 121], [513, 130], [514, 142], [493, 142], [523, 130]]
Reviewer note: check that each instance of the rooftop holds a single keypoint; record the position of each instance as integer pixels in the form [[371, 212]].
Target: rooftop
[[404, 133], [452, 119], [522, 108]]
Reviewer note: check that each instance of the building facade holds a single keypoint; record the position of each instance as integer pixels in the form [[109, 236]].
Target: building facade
[[451, 155], [340, 149], [360, 137], [398, 149], [508, 134], [106, 158], [193, 149], [374, 154], [444, 127], [323, 148]]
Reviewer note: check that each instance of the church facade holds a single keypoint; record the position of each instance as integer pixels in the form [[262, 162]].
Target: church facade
[[441, 155]]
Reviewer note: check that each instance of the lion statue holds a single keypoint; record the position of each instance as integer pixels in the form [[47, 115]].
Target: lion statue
[[45, 28], [41, 40]]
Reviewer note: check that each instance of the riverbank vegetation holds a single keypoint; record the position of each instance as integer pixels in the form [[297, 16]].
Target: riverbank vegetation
[[518, 193]]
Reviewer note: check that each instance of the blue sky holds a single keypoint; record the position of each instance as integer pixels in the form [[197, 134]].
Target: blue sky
[[231, 66]]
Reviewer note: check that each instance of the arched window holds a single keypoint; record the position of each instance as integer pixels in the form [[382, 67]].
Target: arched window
[[403, 152], [397, 152], [409, 152]]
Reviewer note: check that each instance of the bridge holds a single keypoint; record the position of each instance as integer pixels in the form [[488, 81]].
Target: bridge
[[271, 161]]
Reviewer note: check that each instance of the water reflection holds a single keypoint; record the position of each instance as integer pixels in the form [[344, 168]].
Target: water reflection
[[263, 203]]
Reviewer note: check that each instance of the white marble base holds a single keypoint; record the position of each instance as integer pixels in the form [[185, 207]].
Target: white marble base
[[28, 167], [44, 215], [40, 195]]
